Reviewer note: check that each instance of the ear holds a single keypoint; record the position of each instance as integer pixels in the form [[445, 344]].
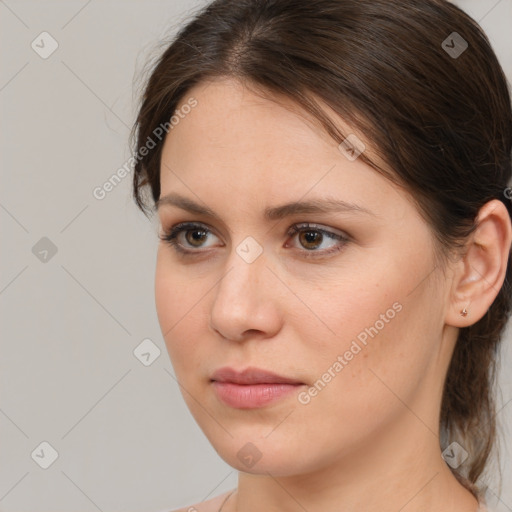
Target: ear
[[480, 273]]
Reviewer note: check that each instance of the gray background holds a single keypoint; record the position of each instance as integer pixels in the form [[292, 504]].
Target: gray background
[[72, 320]]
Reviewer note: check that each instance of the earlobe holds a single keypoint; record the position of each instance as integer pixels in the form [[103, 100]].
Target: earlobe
[[480, 273]]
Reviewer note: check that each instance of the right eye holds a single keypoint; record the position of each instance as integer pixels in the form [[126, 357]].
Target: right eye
[[193, 235]]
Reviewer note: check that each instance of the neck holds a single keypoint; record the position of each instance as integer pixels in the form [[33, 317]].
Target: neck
[[400, 470]]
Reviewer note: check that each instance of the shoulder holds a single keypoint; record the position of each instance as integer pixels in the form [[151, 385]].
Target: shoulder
[[211, 505]]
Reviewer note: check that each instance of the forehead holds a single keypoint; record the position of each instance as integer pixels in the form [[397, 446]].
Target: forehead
[[233, 127], [234, 116], [240, 147]]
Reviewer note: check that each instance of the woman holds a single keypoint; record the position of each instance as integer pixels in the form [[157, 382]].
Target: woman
[[330, 179]]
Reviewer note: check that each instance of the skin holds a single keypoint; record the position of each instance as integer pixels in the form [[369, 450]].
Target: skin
[[369, 439]]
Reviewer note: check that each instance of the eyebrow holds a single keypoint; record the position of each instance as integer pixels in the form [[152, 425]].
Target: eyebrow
[[327, 205]]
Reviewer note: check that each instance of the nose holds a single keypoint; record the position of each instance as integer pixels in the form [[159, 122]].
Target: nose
[[246, 300]]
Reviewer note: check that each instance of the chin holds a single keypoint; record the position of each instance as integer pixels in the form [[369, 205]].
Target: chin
[[257, 454]]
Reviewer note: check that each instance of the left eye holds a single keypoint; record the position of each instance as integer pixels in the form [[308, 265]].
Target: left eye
[[310, 237]]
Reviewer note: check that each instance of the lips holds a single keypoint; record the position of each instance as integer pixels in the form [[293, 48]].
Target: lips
[[252, 388], [250, 376]]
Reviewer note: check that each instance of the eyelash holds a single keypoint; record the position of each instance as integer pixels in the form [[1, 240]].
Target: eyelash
[[170, 237]]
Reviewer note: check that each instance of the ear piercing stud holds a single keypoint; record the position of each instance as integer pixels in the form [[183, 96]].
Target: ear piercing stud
[[464, 312]]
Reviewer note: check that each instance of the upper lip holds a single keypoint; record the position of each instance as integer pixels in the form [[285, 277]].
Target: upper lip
[[251, 375]]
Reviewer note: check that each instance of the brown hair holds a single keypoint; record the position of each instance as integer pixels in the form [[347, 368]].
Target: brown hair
[[442, 121]]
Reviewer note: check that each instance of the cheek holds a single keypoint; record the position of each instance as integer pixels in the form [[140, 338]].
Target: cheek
[[166, 293], [374, 342], [177, 303]]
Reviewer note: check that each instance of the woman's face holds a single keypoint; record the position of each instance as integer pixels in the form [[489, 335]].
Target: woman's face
[[357, 321]]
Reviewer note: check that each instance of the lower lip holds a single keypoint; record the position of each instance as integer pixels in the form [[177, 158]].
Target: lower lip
[[251, 396]]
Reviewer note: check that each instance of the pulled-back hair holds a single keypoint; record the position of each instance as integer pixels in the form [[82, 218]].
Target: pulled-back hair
[[437, 113]]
